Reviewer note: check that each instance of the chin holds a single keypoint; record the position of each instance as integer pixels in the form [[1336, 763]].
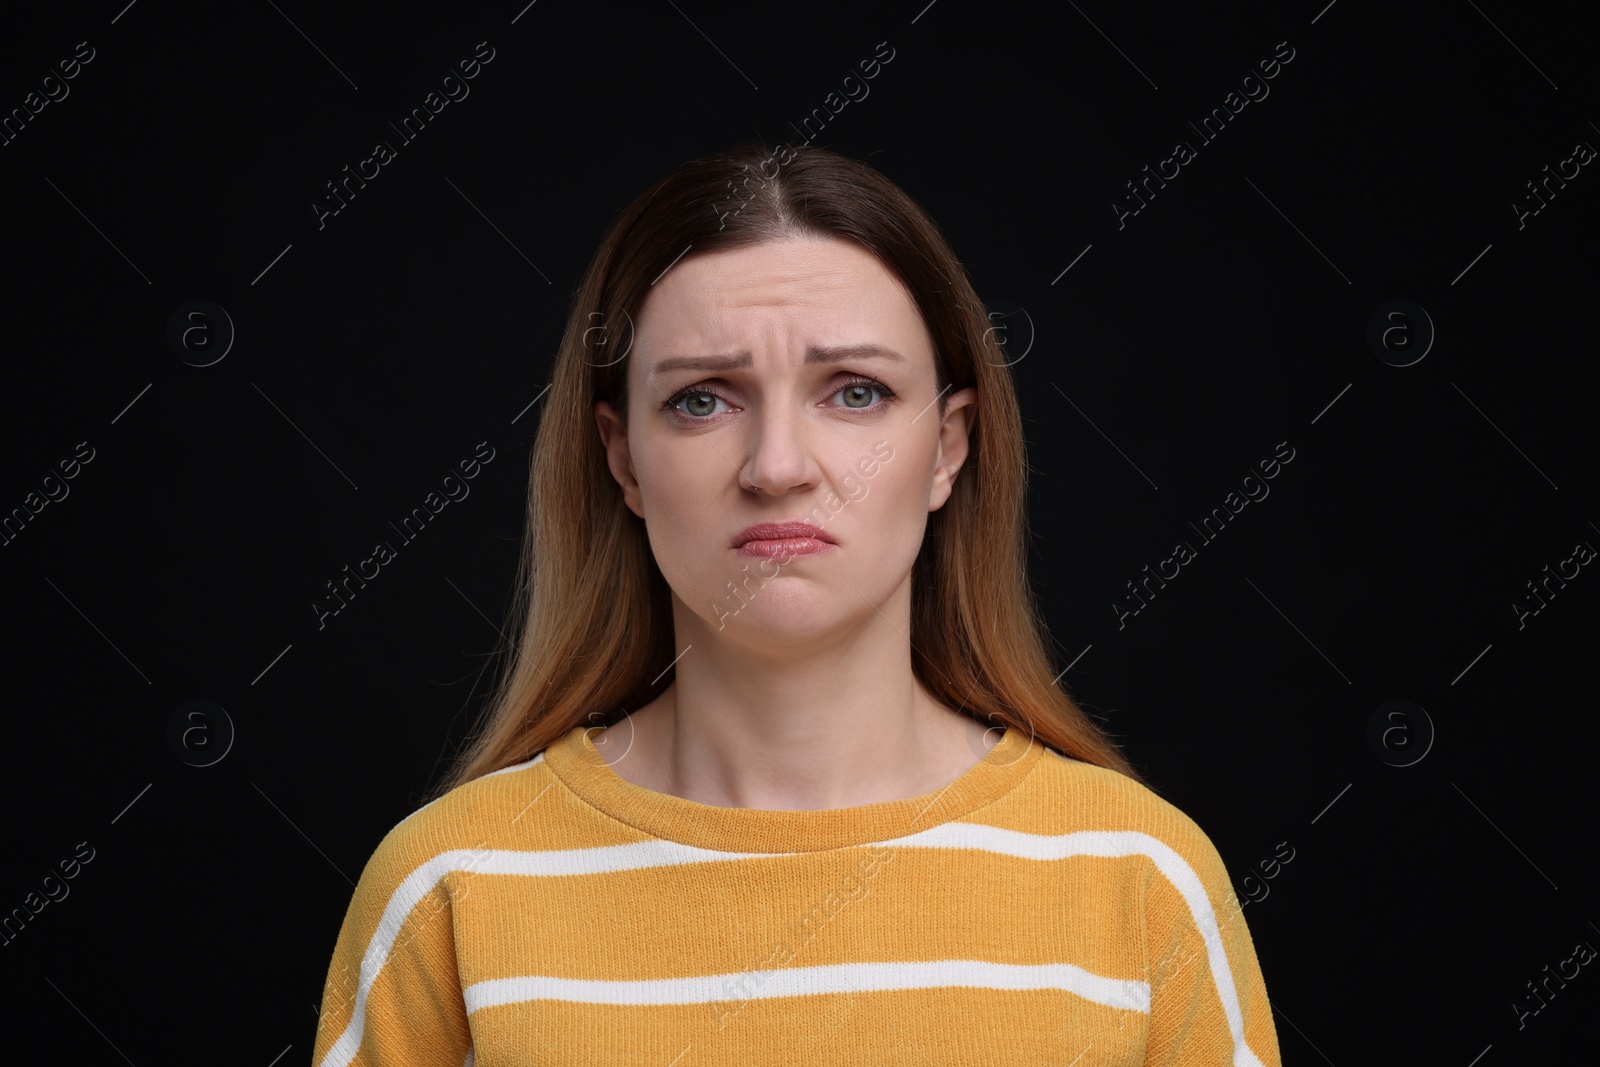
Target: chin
[[774, 616]]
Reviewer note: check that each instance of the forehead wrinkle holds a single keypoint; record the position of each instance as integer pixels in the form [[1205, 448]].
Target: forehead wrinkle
[[784, 291]]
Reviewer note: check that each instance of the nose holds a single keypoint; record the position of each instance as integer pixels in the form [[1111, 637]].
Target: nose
[[780, 457]]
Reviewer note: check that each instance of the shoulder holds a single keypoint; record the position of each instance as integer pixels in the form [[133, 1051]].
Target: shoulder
[[1092, 792], [1092, 810], [457, 830]]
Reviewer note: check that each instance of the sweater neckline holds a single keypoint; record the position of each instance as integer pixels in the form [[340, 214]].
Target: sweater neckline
[[578, 763]]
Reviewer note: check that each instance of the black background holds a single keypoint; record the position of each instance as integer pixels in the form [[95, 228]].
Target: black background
[[1228, 315]]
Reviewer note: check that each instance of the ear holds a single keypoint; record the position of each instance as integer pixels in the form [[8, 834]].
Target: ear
[[614, 436], [954, 438]]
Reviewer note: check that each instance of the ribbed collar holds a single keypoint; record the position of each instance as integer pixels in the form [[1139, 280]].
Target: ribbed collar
[[579, 764]]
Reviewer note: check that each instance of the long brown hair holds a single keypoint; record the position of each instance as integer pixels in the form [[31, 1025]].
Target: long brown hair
[[589, 649]]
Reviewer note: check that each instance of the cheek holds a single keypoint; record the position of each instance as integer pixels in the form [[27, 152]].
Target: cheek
[[892, 504], [683, 512]]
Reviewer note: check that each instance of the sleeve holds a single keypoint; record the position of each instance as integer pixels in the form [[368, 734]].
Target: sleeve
[[393, 995], [1208, 999]]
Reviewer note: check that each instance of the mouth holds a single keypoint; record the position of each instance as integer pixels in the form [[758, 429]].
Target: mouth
[[782, 540]]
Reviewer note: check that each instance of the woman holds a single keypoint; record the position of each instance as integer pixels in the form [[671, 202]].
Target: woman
[[779, 772]]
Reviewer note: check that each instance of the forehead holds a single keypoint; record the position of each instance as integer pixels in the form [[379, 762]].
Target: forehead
[[782, 294]]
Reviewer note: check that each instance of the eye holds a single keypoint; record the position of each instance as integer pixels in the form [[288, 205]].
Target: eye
[[860, 388], [695, 394], [699, 402]]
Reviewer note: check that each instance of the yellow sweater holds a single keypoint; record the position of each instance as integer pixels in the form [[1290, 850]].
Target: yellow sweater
[[1037, 910]]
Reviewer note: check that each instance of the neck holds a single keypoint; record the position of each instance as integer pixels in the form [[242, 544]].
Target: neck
[[805, 723]]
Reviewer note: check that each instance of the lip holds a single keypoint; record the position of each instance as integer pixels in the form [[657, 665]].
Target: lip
[[786, 549], [793, 530]]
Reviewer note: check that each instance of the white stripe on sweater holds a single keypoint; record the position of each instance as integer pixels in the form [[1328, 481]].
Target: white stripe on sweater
[[807, 981]]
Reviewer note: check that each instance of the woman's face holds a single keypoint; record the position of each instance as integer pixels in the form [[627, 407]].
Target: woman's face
[[791, 381]]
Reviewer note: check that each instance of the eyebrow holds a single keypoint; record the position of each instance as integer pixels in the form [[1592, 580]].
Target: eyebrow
[[814, 354]]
